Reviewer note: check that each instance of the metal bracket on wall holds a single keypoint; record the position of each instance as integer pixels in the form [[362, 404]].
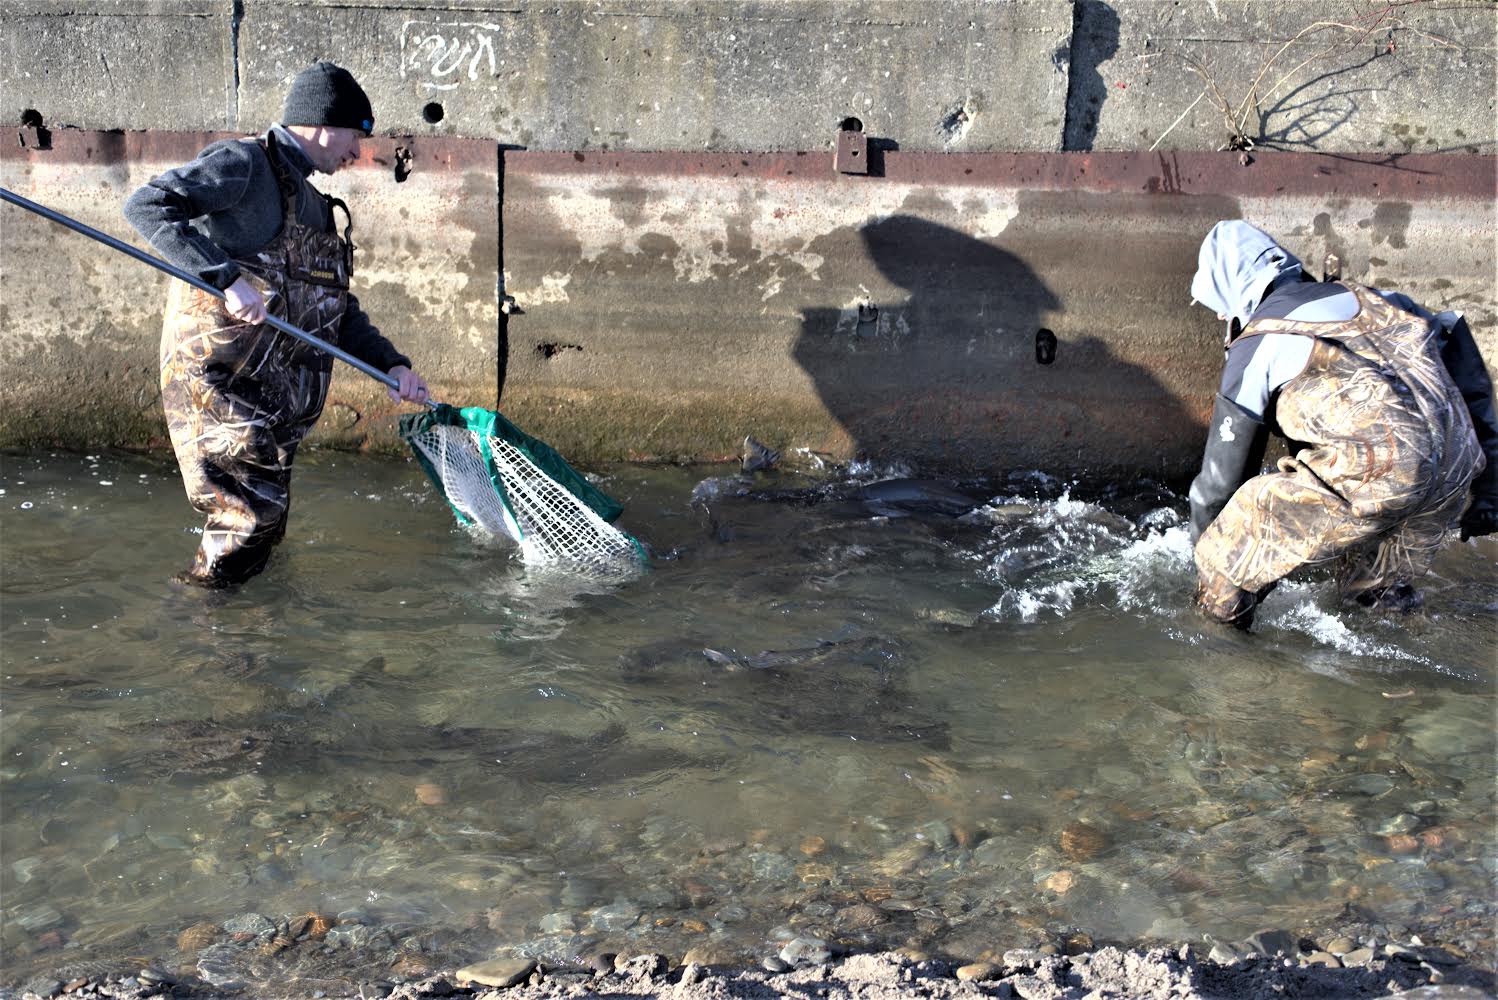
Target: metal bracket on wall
[[851, 156], [33, 134]]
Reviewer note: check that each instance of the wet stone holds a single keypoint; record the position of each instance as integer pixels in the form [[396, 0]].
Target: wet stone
[[1371, 785], [219, 966], [1341, 946], [775, 964], [1222, 954], [1403, 823], [710, 955], [353, 936], [1360, 956], [500, 973], [1083, 842], [44, 986], [733, 913], [897, 904], [977, 972], [618, 915], [937, 833], [1023, 958], [813, 846], [1325, 958], [805, 950], [556, 923], [860, 916], [38, 918], [642, 966], [249, 923], [991, 852], [1273, 942], [904, 859], [1407, 878], [769, 866]]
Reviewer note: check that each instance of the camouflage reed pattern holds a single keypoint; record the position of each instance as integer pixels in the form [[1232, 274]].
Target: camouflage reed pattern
[[1385, 454], [240, 397]]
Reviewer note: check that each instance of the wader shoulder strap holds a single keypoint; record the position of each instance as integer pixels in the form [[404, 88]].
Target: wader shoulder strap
[[1305, 328], [284, 184]]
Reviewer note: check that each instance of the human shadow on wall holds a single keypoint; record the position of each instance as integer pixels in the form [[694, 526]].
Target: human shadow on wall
[[1094, 41], [939, 369]]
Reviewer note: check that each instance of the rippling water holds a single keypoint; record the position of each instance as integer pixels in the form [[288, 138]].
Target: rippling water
[[808, 720]]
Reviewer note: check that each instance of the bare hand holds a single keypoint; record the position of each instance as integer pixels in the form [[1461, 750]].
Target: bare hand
[[412, 386], [244, 302]]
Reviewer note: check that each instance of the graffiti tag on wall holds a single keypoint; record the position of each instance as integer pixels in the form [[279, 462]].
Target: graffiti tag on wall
[[442, 56]]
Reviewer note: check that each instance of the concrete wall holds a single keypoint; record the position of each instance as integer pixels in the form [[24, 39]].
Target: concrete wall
[[695, 299], [678, 294], [775, 75]]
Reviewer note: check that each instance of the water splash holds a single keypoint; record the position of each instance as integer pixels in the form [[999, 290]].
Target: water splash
[[1066, 550]]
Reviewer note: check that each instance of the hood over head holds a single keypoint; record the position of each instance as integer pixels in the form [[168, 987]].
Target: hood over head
[[1237, 262]]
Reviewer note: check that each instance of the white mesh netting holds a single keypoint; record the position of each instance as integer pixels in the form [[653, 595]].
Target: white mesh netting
[[550, 525]]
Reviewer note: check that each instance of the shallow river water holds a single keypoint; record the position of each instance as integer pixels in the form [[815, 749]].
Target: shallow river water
[[811, 725]]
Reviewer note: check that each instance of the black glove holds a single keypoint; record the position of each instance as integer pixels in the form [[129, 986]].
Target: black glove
[[1480, 519]]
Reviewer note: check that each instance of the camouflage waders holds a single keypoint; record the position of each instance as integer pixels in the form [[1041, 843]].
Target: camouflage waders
[[1385, 453], [239, 397]]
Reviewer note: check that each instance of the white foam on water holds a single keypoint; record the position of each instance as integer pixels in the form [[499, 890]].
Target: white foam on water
[[1326, 628], [1068, 549]]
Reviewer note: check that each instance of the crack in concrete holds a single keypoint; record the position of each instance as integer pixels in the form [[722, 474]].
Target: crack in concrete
[[235, 17]]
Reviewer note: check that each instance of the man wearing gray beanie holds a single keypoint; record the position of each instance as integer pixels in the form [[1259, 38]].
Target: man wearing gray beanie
[[240, 395]]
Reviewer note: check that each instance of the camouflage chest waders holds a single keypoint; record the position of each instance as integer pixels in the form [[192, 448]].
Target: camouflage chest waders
[[1386, 455], [239, 397]]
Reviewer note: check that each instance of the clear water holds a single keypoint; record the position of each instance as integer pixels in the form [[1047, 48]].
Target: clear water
[[806, 720]]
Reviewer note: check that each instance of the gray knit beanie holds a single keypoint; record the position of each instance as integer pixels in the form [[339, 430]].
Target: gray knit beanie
[[327, 94]]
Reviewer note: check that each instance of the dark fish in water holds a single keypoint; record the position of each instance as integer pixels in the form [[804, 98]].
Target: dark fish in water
[[877, 653], [605, 756], [201, 746], [902, 497], [886, 498], [842, 689], [208, 748], [758, 456]]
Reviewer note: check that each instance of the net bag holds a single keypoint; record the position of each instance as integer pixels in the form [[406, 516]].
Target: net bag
[[507, 483]]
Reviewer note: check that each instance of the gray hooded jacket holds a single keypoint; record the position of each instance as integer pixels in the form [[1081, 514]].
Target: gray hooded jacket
[[1234, 267]]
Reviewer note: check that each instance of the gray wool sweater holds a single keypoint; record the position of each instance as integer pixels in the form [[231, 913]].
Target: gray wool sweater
[[226, 204]]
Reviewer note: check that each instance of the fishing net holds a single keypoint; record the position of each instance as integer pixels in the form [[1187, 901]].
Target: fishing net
[[505, 482]]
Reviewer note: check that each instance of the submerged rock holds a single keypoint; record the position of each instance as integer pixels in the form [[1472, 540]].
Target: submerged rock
[[500, 973]]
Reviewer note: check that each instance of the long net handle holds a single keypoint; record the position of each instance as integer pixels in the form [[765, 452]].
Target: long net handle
[[176, 272]]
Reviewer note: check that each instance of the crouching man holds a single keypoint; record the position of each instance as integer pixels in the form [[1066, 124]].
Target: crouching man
[[1388, 413]]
